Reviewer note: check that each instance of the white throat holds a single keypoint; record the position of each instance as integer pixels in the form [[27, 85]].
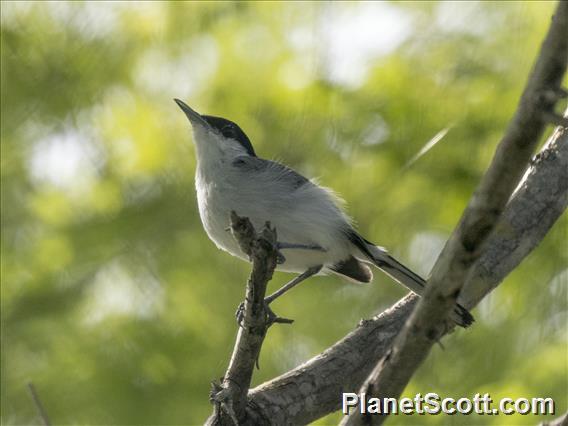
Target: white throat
[[214, 153]]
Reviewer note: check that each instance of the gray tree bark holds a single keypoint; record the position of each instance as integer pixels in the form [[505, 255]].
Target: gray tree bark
[[230, 397], [496, 232], [313, 389], [560, 421], [451, 271]]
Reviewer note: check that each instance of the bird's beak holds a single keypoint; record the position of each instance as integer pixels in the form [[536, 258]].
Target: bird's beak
[[193, 116]]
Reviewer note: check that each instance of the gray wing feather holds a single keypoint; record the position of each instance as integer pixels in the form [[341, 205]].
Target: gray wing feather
[[280, 172]]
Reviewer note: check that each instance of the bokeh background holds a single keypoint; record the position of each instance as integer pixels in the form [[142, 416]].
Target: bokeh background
[[114, 302]]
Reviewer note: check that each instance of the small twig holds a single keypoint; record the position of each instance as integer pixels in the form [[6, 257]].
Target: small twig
[[39, 406]]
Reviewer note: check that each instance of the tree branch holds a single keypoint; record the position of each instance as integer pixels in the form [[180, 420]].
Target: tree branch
[[560, 421], [230, 398], [313, 389], [520, 230], [428, 322]]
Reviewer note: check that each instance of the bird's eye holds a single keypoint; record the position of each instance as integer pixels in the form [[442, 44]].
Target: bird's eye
[[229, 132]]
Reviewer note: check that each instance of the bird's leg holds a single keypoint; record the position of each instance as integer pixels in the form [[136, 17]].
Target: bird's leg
[[281, 245], [293, 283], [272, 317]]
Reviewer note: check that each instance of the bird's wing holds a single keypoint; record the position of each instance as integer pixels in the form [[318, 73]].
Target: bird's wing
[[279, 172]]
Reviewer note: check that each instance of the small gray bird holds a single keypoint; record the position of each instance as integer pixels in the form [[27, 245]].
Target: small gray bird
[[315, 235]]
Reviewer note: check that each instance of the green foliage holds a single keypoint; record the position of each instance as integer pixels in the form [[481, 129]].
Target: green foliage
[[114, 302]]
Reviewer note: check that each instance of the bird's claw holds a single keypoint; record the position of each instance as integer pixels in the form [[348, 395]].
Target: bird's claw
[[240, 313], [463, 317], [270, 316], [280, 258]]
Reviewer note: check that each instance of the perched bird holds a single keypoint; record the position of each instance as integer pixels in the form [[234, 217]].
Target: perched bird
[[314, 234]]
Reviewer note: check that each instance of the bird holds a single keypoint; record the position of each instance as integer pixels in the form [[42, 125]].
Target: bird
[[315, 235]]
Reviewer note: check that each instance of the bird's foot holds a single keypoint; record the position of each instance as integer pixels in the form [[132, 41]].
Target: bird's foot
[[280, 258], [270, 316], [240, 313], [462, 316]]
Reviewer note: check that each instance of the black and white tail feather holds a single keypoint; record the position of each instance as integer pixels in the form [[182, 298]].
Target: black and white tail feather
[[379, 257]]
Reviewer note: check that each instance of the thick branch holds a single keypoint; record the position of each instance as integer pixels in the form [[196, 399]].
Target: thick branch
[[560, 421], [230, 398], [314, 389], [427, 323], [519, 231]]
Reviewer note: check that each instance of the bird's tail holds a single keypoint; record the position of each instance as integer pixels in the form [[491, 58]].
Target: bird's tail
[[410, 280]]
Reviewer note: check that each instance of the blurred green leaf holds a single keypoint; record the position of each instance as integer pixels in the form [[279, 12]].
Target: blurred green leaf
[[114, 302]]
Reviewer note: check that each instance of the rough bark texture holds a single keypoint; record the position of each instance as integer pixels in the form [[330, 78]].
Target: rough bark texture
[[560, 421], [314, 389], [520, 230], [230, 398], [492, 239], [465, 246]]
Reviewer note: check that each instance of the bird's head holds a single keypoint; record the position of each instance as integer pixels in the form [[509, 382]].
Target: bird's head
[[216, 137]]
